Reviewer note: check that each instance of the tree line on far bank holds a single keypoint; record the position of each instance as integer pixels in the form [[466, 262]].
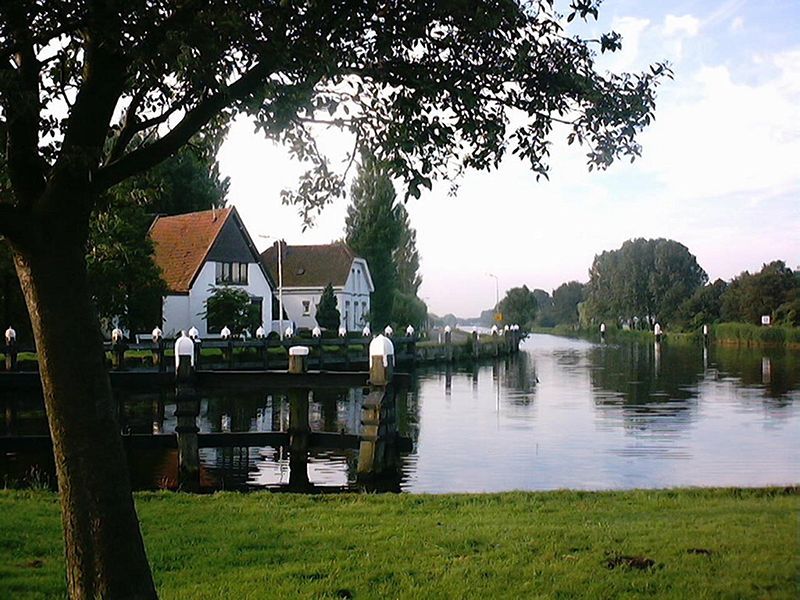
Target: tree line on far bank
[[656, 280]]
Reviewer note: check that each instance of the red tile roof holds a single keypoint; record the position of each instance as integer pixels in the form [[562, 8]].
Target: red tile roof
[[310, 266], [182, 243]]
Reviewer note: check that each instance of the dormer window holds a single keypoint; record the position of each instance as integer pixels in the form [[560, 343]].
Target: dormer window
[[231, 272]]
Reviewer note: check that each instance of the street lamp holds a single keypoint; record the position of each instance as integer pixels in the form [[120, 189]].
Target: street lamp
[[280, 280], [496, 293]]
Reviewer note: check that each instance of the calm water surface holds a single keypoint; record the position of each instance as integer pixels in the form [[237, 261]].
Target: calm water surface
[[562, 414]]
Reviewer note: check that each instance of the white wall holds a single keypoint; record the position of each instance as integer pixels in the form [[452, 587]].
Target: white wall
[[175, 313], [356, 290], [183, 312]]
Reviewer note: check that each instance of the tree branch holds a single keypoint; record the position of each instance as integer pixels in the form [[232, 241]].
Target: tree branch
[[193, 121], [20, 98]]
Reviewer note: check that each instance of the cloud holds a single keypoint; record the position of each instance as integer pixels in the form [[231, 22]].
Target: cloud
[[718, 136], [737, 24], [631, 29], [683, 26]]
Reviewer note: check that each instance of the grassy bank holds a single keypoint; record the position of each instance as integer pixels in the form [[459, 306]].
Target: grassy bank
[[731, 334], [668, 544]]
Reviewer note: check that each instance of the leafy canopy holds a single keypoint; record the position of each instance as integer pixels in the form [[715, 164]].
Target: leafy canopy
[[645, 279], [519, 307], [94, 93]]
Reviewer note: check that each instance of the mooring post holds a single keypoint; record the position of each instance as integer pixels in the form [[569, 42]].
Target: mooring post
[[602, 333], [495, 341], [476, 348], [377, 450], [261, 336], [345, 346], [705, 335], [158, 348], [299, 428], [448, 344], [411, 347], [11, 349], [187, 409], [298, 360], [316, 333], [117, 349]]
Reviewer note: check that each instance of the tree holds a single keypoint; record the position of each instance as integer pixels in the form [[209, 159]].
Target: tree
[[519, 307], [373, 232], [566, 299], [645, 279], [406, 256], [124, 280], [703, 306], [232, 307], [95, 93], [328, 316], [544, 308], [748, 297]]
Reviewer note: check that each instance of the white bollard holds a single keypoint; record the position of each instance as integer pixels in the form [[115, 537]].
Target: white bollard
[[184, 346], [381, 360], [298, 359]]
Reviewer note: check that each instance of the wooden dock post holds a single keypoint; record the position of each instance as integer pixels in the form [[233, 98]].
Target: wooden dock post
[[158, 349], [117, 349], [377, 454], [495, 341], [298, 359], [476, 347], [411, 346], [187, 409], [448, 344], [11, 349], [299, 428]]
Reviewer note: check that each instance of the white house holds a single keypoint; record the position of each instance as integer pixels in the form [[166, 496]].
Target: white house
[[200, 250], [307, 270]]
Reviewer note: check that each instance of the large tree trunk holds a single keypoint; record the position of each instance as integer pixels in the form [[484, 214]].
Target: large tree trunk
[[105, 552]]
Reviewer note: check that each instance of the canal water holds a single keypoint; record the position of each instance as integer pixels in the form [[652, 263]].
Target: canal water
[[563, 413]]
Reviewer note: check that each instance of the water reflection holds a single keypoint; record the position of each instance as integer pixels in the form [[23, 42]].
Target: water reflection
[[563, 413]]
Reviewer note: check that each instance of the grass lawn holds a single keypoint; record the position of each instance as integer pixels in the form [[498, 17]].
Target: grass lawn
[[715, 543]]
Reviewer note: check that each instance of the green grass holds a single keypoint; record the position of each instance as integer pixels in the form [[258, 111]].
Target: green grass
[[703, 543]]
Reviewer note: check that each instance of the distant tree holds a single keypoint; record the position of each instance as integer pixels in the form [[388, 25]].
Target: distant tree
[[544, 308], [232, 307], [407, 309], [373, 232], [749, 297], [566, 299], [406, 256], [704, 306], [328, 316], [519, 307], [644, 278]]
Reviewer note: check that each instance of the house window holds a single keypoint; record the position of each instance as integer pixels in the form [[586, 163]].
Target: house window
[[306, 308], [231, 272], [363, 311]]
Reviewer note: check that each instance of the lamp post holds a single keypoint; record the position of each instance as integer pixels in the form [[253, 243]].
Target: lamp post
[[279, 242]]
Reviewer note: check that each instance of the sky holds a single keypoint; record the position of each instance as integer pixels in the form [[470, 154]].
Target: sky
[[720, 171]]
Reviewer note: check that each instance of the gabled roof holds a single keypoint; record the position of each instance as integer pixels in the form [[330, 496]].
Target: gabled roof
[[182, 243], [311, 266]]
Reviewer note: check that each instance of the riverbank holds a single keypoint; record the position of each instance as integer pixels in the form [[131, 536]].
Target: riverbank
[[669, 544], [726, 334]]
